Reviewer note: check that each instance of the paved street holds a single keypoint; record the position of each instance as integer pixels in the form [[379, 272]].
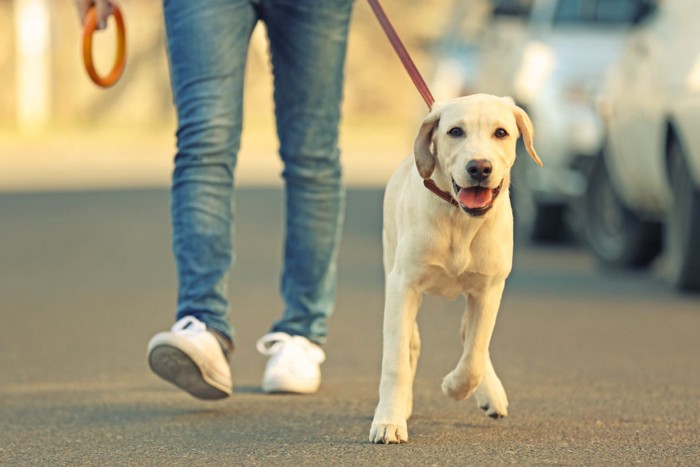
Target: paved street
[[600, 368]]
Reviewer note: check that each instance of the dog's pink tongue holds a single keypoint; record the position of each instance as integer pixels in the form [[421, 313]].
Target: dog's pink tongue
[[475, 197]]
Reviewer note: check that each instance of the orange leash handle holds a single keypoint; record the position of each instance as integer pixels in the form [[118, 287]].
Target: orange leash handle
[[120, 56]]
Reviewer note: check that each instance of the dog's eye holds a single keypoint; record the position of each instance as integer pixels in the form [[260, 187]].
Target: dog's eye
[[456, 132], [500, 133]]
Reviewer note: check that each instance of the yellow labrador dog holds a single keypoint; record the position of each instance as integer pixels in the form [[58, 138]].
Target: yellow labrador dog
[[454, 239]]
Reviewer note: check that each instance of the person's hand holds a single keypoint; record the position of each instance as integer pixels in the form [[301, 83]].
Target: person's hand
[[103, 9]]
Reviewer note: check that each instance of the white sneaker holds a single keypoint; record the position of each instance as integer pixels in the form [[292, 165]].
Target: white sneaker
[[294, 364], [191, 358]]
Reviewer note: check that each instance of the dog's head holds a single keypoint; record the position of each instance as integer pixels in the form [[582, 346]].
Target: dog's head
[[469, 143]]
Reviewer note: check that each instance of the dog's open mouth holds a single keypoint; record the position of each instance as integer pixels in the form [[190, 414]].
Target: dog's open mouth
[[476, 200]]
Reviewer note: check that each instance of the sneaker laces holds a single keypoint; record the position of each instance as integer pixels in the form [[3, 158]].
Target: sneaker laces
[[189, 326], [276, 342]]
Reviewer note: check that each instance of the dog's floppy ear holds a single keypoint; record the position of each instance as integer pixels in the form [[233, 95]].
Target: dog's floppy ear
[[425, 158], [527, 132]]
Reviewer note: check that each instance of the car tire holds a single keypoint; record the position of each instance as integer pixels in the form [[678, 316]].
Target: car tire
[[615, 234], [537, 223], [534, 221], [682, 223], [549, 225]]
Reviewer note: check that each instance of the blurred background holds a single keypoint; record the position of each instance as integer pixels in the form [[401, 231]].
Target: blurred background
[[597, 334], [58, 129], [612, 88]]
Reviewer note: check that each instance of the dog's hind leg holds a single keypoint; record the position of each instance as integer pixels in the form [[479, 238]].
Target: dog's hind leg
[[477, 328], [490, 395]]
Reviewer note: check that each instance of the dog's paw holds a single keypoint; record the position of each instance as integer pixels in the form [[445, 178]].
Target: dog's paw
[[388, 433], [492, 399], [459, 386], [494, 410]]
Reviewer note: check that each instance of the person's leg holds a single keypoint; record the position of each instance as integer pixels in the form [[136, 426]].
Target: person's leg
[[207, 46], [308, 44]]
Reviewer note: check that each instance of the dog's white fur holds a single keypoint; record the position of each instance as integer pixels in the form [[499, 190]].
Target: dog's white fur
[[431, 246]]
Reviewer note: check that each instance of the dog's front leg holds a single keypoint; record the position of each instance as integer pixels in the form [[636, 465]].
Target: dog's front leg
[[414, 354], [396, 385], [477, 327], [490, 395]]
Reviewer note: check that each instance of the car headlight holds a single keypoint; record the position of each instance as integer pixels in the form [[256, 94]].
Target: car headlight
[[537, 65], [692, 79]]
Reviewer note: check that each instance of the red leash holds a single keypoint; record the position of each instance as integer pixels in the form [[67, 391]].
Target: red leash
[[415, 77], [402, 53]]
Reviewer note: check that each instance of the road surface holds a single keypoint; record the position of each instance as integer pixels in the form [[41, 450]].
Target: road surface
[[600, 368]]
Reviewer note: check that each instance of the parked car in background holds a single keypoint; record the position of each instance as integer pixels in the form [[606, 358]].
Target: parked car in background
[[501, 44], [551, 57], [648, 174], [570, 46], [479, 36]]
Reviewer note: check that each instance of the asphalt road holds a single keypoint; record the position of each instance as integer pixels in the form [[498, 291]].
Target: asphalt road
[[600, 368]]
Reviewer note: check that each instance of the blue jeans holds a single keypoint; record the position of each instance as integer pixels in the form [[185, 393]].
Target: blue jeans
[[207, 46]]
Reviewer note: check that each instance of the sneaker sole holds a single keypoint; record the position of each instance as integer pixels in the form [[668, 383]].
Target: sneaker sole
[[176, 367], [274, 386]]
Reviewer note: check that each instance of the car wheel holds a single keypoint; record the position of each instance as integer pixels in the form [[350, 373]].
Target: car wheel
[[617, 236], [683, 223], [537, 222]]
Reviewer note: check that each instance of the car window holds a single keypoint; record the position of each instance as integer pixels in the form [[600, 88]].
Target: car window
[[517, 8], [596, 11]]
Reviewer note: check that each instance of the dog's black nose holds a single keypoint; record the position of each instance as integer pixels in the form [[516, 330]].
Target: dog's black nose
[[479, 169]]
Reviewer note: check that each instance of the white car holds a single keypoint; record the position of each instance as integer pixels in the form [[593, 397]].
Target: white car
[[477, 51], [560, 69], [648, 175]]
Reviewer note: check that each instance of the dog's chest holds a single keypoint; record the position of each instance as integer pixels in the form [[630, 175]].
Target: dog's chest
[[444, 282], [461, 262]]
